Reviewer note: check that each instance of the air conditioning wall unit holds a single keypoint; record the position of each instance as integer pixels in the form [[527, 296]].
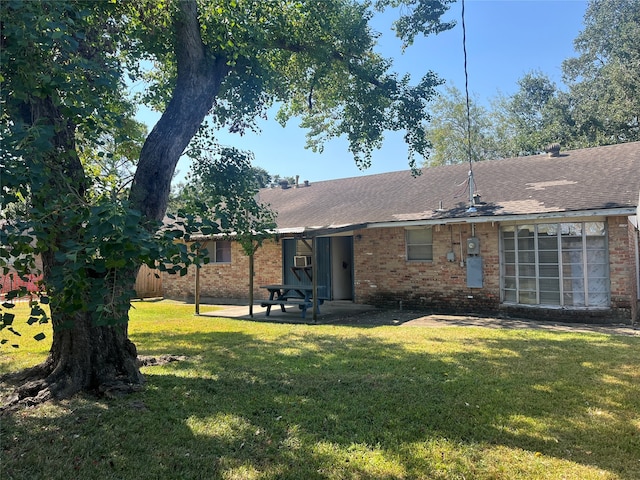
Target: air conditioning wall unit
[[301, 261]]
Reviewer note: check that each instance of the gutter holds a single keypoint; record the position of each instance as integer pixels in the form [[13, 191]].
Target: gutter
[[322, 231], [310, 232], [608, 212]]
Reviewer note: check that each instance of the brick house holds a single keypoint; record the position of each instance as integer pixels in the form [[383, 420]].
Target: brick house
[[548, 236]]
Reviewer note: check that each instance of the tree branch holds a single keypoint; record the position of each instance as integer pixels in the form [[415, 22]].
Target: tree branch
[[200, 75]]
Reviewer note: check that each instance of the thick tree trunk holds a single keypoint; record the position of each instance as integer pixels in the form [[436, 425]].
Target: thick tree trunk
[[87, 356], [105, 359], [84, 356]]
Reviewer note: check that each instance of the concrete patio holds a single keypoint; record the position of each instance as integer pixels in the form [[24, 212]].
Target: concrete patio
[[349, 313], [330, 312]]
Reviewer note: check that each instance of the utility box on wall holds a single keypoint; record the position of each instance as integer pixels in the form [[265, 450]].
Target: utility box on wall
[[473, 246], [474, 272]]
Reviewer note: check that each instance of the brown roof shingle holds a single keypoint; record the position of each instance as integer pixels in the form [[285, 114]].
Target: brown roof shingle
[[577, 180]]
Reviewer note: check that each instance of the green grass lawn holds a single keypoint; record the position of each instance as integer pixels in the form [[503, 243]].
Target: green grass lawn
[[272, 401]]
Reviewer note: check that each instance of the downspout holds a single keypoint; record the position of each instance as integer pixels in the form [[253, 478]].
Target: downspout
[[461, 250], [636, 234]]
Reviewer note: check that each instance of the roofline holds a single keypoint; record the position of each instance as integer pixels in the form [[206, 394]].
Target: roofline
[[604, 212], [309, 232]]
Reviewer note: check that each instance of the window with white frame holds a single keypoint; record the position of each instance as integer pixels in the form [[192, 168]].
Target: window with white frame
[[419, 244], [557, 264], [219, 251]]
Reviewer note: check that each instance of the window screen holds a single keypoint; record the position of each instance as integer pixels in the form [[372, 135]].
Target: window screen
[[563, 264], [419, 244]]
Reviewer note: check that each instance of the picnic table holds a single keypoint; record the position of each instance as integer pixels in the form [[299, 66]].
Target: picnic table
[[300, 295]]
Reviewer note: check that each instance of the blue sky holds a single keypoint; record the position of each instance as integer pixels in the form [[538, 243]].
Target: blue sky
[[505, 40]]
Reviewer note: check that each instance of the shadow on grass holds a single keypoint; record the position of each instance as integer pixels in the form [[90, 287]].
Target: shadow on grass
[[310, 405]]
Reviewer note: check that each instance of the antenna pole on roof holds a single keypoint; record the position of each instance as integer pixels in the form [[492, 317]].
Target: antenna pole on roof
[[472, 183]]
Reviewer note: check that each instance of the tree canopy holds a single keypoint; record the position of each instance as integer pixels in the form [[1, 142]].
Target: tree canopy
[[604, 80], [223, 185], [67, 66], [448, 131], [597, 105]]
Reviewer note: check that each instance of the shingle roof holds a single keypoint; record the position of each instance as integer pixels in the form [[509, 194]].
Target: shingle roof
[[577, 180]]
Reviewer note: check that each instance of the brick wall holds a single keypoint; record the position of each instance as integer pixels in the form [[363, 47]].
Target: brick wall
[[229, 281], [384, 277], [12, 279], [622, 261]]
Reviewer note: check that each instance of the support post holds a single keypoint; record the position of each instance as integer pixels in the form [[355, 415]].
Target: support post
[[251, 270], [197, 289], [314, 277]]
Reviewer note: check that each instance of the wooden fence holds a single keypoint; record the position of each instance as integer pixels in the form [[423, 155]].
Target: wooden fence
[[148, 283]]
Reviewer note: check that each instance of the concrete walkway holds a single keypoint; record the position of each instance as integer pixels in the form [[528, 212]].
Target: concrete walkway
[[467, 321], [348, 313]]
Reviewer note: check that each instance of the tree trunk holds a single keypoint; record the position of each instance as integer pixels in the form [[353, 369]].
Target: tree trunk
[[84, 356], [198, 83]]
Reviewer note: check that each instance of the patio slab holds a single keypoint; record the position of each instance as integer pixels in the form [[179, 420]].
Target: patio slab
[[330, 312], [349, 313]]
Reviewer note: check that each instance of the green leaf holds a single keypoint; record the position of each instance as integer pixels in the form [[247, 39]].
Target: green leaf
[[39, 336]]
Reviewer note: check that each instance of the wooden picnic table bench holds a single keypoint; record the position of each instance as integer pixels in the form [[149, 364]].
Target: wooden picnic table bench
[[299, 295]]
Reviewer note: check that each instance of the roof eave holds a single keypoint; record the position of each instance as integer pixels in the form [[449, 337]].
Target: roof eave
[[604, 212], [324, 231]]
